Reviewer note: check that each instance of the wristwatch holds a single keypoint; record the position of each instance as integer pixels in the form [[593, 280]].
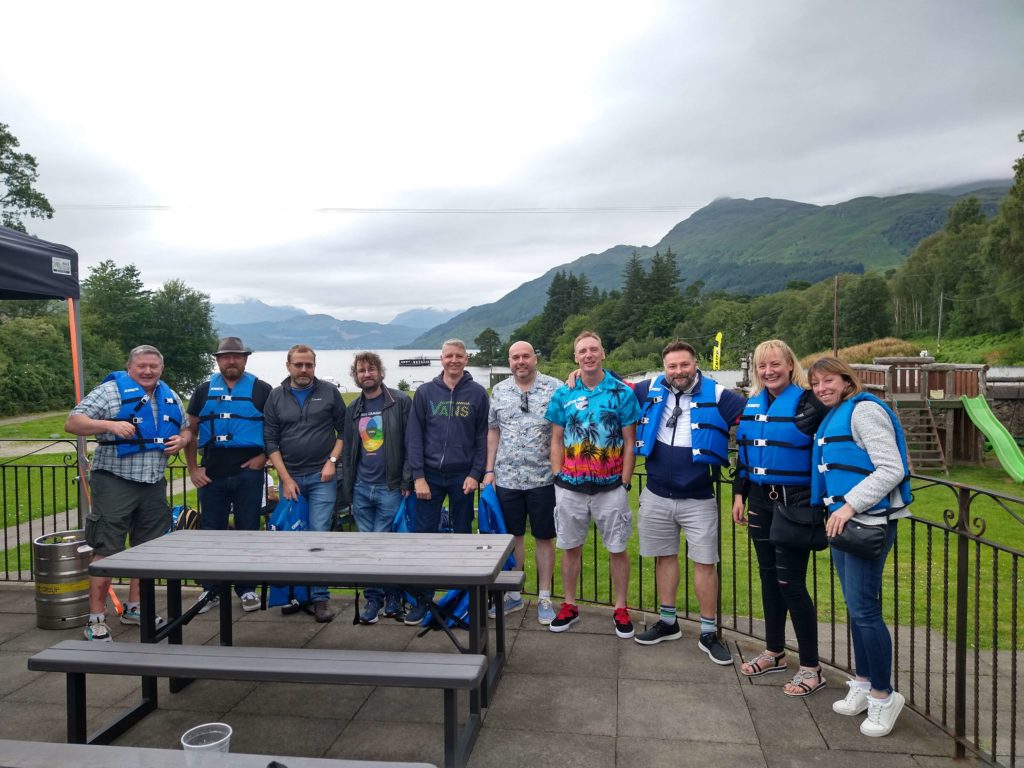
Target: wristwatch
[[332, 459], [628, 486]]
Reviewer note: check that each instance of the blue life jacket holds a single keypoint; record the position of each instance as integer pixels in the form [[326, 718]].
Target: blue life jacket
[[228, 418], [840, 464], [709, 434], [150, 435], [772, 451]]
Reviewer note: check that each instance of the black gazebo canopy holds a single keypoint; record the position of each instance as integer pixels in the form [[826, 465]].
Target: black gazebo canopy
[[31, 268]]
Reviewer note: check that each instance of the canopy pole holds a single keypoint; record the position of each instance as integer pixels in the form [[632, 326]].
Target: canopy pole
[[74, 324]]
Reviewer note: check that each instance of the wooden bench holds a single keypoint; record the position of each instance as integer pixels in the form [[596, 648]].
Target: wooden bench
[[44, 754], [449, 671]]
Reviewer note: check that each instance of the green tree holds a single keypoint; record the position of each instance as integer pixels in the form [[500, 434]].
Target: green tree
[[18, 174], [488, 342], [184, 333], [116, 305]]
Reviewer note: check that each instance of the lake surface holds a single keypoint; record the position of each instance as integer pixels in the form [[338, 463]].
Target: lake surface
[[335, 364]]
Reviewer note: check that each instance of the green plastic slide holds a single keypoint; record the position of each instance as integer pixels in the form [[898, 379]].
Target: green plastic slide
[[1005, 446]]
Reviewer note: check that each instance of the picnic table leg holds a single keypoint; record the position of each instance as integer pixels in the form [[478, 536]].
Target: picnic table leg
[[147, 631], [478, 642], [226, 637]]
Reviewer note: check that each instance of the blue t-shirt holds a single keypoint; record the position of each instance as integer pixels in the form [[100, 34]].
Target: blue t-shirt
[[593, 420], [371, 468]]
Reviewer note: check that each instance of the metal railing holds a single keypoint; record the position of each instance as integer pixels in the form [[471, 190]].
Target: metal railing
[[951, 591]]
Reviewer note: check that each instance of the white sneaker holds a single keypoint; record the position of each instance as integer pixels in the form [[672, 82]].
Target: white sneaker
[[210, 604], [250, 602], [98, 631], [882, 717], [545, 611], [856, 700]]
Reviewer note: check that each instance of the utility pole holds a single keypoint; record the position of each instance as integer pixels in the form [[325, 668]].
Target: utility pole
[[835, 317], [938, 336]]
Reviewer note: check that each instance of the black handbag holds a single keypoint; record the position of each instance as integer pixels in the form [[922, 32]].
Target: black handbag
[[861, 540], [798, 527]]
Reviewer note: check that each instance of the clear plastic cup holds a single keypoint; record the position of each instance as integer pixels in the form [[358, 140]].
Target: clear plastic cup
[[204, 743]]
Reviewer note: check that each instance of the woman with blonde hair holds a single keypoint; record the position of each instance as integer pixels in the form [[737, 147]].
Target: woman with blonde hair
[[861, 475], [774, 467]]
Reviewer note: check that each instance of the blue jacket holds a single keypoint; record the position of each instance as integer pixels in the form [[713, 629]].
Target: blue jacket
[[229, 419], [772, 451], [447, 429], [840, 464], [135, 407]]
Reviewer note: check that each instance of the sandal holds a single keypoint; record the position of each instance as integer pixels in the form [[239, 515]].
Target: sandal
[[800, 681], [764, 664]]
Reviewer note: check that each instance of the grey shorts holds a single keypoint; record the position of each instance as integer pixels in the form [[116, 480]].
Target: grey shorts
[[609, 510], [662, 519], [125, 509]]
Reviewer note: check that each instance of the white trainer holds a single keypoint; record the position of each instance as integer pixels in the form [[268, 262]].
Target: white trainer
[[856, 700], [882, 717]]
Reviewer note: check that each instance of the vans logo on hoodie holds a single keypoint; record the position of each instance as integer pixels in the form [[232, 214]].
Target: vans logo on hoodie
[[460, 408]]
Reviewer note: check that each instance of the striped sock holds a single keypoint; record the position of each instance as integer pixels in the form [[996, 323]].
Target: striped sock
[[668, 614], [707, 625]]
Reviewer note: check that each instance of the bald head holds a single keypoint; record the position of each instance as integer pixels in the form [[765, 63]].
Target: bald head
[[523, 362]]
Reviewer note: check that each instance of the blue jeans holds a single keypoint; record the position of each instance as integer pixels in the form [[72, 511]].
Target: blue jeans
[[445, 484], [862, 583], [241, 495], [374, 507], [321, 497], [428, 513]]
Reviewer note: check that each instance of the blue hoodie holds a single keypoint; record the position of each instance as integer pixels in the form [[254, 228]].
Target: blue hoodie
[[447, 429]]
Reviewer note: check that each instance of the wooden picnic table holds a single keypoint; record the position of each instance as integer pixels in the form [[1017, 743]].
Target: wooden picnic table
[[463, 561]]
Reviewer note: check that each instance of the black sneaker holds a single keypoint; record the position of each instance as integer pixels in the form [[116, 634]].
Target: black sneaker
[[567, 616], [662, 630], [714, 648]]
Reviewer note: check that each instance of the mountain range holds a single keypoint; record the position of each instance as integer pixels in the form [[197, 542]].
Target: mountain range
[[745, 246], [265, 327], [750, 246]]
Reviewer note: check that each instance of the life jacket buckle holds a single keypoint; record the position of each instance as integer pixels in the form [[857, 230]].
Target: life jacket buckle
[[760, 442], [226, 398], [223, 415], [760, 417], [823, 468], [136, 420], [759, 471], [638, 444], [222, 438]]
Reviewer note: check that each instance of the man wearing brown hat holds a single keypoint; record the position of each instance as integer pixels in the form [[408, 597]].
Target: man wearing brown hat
[[229, 411]]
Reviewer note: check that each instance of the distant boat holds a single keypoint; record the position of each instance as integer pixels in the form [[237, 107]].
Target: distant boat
[[415, 362]]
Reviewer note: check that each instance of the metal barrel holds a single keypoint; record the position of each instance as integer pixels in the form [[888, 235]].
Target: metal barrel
[[62, 579]]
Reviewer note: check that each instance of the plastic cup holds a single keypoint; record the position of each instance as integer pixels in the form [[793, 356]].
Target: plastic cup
[[204, 743]]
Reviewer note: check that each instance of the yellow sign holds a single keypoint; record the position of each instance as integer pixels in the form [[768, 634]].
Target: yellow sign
[[716, 353]]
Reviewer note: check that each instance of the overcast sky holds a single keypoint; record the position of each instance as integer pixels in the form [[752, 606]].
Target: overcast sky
[[363, 158]]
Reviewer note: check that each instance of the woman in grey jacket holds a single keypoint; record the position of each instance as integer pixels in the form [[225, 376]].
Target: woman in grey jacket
[[861, 458]]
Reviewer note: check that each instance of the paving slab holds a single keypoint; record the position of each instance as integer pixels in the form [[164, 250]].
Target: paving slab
[[693, 712], [503, 748], [335, 702], [673, 753], [372, 740], [555, 703], [546, 653]]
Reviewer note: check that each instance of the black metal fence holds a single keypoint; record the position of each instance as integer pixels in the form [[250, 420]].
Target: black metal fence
[[951, 592]]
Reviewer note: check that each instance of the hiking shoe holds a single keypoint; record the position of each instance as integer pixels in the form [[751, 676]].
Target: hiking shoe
[[250, 602], [623, 624], [211, 603], [714, 648], [662, 630], [882, 717], [133, 616], [415, 615], [510, 605], [545, 611], [371, 612], [98, 631], [322, 612], [568, 615], [856, 700], [394, 608]]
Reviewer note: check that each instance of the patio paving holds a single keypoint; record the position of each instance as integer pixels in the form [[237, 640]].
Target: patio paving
[[581, 698]]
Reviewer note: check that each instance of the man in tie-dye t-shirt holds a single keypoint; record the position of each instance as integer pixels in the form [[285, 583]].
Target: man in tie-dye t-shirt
[[592, 436]]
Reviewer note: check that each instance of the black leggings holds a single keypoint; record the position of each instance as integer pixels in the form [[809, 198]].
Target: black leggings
[[783, 578]]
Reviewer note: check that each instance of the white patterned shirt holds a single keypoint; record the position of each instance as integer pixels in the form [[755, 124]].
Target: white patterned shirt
[[524, 444]]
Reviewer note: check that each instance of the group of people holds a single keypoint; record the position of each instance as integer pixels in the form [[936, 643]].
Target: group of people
[[559, 455]]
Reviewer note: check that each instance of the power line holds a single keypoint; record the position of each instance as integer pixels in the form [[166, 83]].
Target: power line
[[671, 208]]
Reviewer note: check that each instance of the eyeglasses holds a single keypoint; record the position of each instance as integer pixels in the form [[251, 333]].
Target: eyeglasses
[[524, 402], [676, 412]]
